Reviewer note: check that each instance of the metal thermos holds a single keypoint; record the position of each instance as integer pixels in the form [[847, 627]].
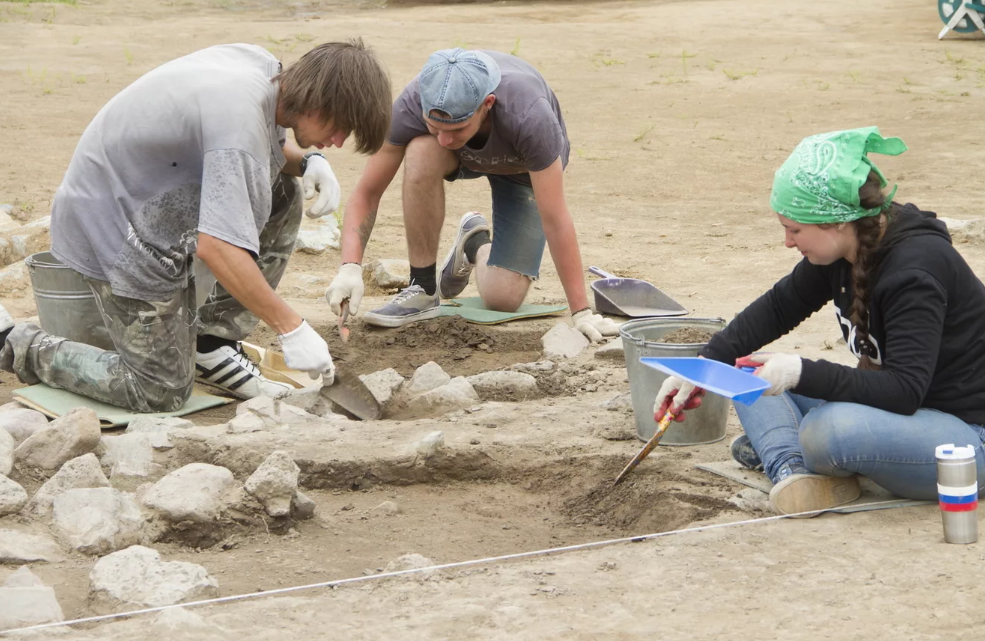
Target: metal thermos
[[957, 490]]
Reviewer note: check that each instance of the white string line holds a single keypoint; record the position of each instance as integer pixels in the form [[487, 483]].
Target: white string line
[[432, 568]]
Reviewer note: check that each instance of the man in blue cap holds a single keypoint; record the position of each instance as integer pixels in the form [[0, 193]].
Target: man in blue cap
[[471, 114]]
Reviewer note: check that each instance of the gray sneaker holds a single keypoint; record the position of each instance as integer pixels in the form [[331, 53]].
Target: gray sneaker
[[410, 305], [455, 273]]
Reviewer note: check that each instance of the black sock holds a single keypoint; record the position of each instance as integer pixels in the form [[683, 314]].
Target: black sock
[[426, 277], [207, 343], [474, 242]]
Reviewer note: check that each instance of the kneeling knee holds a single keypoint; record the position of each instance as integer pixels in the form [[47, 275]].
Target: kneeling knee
[[166, 399]]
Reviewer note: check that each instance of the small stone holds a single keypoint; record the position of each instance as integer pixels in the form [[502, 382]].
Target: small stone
[[129, 455], [22, 422], [426, 378], [17, 548], [70, 436], [383, 384], [539, 367], [563, 341], [388, 273], [7, 446], [504, 386], [245, 424], [408, 562], [311, 401], [26, 601], [81, 472], [430, 444], [389, 508], [620, 403], [197, 492], [275, 483], [457, 394], [14, 277], [97, 520], [274, 413], [318, 239], [158, 429], [612, 351], [302, 507], [13, 497], [137, 577]]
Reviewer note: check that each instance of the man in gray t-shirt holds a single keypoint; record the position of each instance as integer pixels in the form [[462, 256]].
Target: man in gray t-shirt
[[472, 114], [192, 159]]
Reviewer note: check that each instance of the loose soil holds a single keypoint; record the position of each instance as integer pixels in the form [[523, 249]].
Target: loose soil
[[686, 335]]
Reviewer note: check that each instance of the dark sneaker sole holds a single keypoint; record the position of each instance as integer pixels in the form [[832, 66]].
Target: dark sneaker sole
[[382, 320]]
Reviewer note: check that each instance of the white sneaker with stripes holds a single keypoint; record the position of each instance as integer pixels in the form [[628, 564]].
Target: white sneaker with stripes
[[232, 370]]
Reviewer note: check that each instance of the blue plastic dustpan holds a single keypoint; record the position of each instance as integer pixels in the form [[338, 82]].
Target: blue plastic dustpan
[[714, 376]]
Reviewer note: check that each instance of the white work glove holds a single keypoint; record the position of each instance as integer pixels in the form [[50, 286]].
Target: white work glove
[[781, 371], [675, 394], [318, 176], [348, 283], [306, 351], [594, 326]]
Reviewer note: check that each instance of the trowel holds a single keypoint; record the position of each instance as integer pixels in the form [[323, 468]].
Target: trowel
[[347, 390]]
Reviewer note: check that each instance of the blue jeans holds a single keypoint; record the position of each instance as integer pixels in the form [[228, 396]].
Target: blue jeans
[[841, 439], [518, 239]]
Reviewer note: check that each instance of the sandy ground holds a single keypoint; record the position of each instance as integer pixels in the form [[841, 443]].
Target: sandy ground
[[678, 113]]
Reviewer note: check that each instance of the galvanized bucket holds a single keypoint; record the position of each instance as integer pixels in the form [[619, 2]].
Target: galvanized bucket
[[705, 424], [66, 305]]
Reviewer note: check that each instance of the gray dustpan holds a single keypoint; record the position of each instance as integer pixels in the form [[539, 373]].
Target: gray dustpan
[[631, 297]]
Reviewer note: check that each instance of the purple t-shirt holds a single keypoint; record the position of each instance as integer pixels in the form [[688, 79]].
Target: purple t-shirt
[[527, 132]]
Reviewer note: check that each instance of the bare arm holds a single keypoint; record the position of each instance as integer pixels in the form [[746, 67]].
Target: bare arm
[[361, 208], [293, 153], [236, 270], [559, 229]]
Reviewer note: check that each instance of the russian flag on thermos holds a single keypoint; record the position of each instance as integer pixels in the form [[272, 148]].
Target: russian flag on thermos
[[957, 491]]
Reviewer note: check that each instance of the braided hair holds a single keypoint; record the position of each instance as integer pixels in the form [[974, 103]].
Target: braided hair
[[868, 233]]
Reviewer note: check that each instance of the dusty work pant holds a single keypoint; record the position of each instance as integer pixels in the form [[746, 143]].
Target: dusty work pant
[[153, 366]]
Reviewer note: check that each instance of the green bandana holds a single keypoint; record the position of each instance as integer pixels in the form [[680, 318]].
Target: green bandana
[[820, 180]]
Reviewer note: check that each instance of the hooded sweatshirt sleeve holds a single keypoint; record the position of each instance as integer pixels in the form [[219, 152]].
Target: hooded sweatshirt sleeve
[[914, 304], [792, 300]]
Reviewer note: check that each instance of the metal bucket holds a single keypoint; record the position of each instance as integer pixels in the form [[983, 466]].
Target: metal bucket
[[66, 305], [705, 424]]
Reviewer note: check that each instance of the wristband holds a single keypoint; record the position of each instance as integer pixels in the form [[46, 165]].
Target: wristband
[[303, 165]]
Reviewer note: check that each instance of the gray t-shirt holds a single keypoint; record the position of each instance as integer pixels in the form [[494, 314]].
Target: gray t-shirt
[[192, 146], [527, 133]]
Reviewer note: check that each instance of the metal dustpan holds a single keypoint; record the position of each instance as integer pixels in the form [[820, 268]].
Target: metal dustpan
[[714, 376], [631, 297]]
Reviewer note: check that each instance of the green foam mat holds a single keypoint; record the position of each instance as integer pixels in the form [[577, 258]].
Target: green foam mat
[[58, 402], [472, 310]]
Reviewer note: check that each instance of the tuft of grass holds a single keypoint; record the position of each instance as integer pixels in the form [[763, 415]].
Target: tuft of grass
[[79, 80], [854, 75], [907, 81], [958, 75], [643, 132], [68, 2], [738, 75], [952, 58], [128, 55], [653, 55], [515, 51], [684, 57], [76, 39], [718, 137], [822, 86], [903, 89], [669, 79], [601, 59]]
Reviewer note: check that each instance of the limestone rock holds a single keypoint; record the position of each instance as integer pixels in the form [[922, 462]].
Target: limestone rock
[[274, 413], [17, 548], [408, 562], [620, 403], [302, 507], [12, 497], [129, 455], [457, 394], [388, 273], [197, 492], [318, 238], [158, 429], [389, 508], [612, 351], [137, 578], [383, 384], [21, 422], [427, 377], [312, 402], [275, 483], [246, 424], [563, 341], [504, 386], [179, 621], [7, 447], [14, 277], [539, 367], [80, 472], [966, 231], [430, 444], [97, 520], [26, 601], [65, 438]]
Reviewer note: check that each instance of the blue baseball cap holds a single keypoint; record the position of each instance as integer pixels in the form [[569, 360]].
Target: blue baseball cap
[[456, 81]]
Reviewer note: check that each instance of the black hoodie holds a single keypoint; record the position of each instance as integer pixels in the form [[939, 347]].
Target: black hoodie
[[926, 324]]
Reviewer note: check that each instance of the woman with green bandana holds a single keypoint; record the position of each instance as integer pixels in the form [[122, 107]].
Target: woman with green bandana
[[911, 310]]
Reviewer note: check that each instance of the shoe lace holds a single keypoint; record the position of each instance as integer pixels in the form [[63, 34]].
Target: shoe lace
[[245, 361], [406, 293]]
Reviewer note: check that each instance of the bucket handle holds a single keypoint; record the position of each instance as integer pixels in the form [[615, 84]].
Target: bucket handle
[[598, 271]]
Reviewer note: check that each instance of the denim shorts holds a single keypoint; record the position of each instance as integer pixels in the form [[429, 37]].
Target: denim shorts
[[518, 237]]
